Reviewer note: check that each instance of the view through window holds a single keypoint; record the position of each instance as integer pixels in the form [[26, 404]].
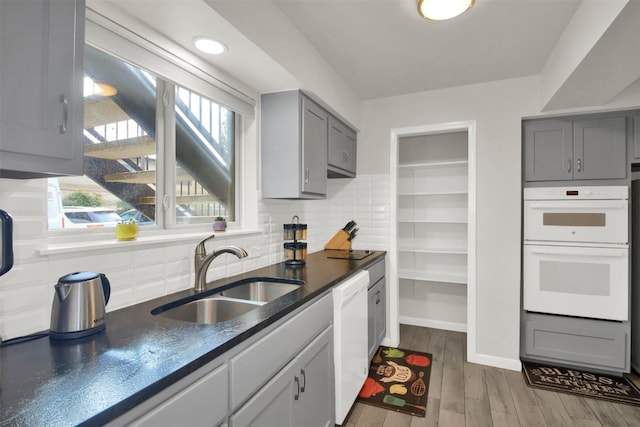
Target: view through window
[[121, 165]]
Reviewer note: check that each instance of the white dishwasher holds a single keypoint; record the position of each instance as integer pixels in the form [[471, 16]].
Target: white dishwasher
[[351, 355]]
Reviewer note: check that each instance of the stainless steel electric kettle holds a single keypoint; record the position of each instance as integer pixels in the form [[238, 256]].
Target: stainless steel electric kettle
[[79, 305]]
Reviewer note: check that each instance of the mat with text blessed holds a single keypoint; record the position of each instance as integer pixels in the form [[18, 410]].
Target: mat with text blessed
[[581, 383], [398, 381]]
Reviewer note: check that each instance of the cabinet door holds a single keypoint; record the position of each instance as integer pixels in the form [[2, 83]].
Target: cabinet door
[[314, 147], [341, 149], [316, 382], [636, 136], [600, 148], [41, 105], [203, 403], [371, 324], [381, 312], [548, 147], [274, 404]]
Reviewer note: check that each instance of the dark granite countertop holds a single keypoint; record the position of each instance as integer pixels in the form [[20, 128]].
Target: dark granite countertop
[[95, 379]]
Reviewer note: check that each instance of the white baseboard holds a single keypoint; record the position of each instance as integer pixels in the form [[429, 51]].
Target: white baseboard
[[435, 324], [481, 359], [495, 361]]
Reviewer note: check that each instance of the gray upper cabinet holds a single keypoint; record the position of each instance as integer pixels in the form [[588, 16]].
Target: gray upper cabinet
[[600, 148], [341, 160], [41, 99], [294, 146], [548, 147], [565, 150]]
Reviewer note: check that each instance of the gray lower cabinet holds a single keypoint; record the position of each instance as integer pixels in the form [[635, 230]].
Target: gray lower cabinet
[[377, 303], [283, 376], [199, 399], [294, 132], [300, 395], [41, 81], [341, 150], [636, 136], [576, 342], [579, 149]]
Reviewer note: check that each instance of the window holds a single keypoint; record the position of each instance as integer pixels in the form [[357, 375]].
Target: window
[[139, 143]]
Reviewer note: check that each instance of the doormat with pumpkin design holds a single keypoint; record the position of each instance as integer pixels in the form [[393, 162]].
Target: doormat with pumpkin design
[[398, 381], [581, 383]]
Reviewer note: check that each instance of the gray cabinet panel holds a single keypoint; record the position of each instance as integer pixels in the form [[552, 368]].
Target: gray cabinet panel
[[273, 405], [254, 366], [573, 341], [377, 316], [600, 148], [548, 147], [342, 150], [294, 133], [41, 99], [636, 136], [314, 147], [317, 382], [199, 399], [376, 307], [300, 395]]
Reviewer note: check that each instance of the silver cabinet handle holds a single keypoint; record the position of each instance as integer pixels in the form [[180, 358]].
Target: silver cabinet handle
[[297, 381], [569, 164], [579, 165], [303, 375], [306, 175], [65, 113]]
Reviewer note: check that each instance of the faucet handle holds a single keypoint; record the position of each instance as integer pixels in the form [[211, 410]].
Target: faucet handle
[[200, 249]]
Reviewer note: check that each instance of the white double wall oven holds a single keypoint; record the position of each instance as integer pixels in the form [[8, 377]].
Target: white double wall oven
[[576, 251]]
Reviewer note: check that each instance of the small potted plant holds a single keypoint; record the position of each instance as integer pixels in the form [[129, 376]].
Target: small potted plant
[[127, 229], [219, 224]]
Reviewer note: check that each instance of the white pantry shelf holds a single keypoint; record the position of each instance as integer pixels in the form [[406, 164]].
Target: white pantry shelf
[[433, 193], [427, 165], [434, 276], [433, 221], [427, 250]]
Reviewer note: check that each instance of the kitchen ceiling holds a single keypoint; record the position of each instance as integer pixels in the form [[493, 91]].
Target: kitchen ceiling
[[379, 48]]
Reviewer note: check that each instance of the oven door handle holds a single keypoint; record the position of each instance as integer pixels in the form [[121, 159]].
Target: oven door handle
[[595, 252], [573, 206]]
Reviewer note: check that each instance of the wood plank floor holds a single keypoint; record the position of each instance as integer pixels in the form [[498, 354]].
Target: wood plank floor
[[467, 395]]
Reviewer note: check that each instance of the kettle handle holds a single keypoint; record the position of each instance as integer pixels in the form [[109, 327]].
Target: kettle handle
[[106, 288], [6, 251]]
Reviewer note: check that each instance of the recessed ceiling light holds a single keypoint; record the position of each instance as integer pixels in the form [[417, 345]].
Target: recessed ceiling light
[[438, 10], [211, 46]]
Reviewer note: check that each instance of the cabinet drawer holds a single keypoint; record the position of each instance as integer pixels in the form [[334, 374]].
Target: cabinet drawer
[[588, 343], [205, 402], [253, 367], [376, 272]]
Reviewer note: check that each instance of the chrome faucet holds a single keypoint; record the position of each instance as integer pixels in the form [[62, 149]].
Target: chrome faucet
[[202, 260]]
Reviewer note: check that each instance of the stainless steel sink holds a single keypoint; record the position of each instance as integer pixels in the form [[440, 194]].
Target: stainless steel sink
[[233, 300], [261, 291], [210, 310]]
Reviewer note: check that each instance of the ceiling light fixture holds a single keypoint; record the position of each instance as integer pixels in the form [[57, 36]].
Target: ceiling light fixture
[[214, 47], [439, 10]]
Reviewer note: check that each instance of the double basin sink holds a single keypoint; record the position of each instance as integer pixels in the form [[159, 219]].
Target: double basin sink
[[229, 301]]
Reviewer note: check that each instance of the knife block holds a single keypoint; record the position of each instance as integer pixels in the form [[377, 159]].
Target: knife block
[[339, 241]]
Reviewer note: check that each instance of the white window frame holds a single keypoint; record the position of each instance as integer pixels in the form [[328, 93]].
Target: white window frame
[[111, 37]]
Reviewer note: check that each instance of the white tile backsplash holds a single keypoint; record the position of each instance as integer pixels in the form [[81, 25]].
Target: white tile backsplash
[[142, 273]]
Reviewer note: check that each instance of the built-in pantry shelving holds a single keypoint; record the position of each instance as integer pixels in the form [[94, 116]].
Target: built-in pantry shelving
[[432, 233]]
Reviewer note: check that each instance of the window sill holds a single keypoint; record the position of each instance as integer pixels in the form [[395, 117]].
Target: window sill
[[141, 241]]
